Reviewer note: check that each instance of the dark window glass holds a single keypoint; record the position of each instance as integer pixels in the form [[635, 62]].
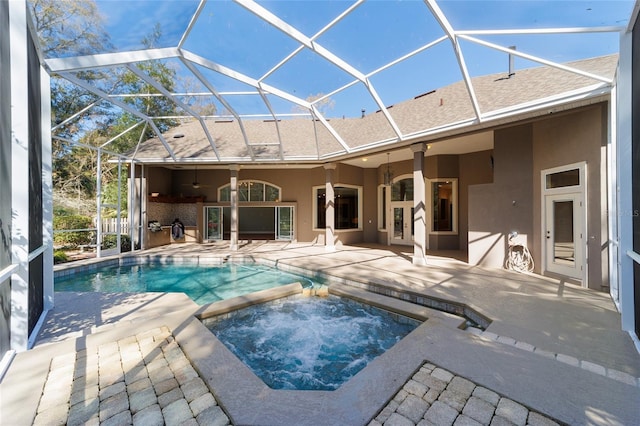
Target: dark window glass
[[442, 206], [402, 190], [562, 179]]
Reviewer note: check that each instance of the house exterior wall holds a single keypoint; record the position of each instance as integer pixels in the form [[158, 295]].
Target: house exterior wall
[[513, 202], [474, 168], [504, 206], [499, 190], [566, 139]]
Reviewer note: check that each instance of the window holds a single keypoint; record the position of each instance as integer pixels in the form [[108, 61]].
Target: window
[[250, 191], [346, 207], [402, 190], [444, 205], [563, 179]]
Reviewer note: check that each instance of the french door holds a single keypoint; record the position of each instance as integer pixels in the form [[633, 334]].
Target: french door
[[402, 223]]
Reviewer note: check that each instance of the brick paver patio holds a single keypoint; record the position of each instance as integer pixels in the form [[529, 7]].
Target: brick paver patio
[[144, 379], [434, 396]]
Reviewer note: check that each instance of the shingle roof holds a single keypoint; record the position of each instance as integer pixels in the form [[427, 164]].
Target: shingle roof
[[305, 139]]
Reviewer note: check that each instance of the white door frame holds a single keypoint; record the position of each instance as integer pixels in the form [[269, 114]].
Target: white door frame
[[577, 194]]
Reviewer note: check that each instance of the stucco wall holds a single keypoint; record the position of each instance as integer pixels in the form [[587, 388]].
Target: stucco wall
[[567, 139], [505, 205], [475, 168], [513, 202]]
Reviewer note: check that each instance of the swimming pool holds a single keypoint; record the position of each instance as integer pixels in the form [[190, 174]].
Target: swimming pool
[[202, 284], [309, 343]]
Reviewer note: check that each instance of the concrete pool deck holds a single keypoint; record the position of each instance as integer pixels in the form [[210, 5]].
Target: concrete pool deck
[[551, 348]]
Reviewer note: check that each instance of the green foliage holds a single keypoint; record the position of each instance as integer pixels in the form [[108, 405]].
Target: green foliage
[[72, 238], [60, 256], [110, 241]]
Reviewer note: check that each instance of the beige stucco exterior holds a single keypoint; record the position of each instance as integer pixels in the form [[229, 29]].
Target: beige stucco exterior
[[499, 190]]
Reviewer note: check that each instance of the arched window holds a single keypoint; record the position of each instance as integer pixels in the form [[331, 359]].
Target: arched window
[[402, 190], [251, 191]]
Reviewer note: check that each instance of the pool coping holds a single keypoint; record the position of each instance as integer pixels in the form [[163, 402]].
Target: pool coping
[[248, 400], [455, 308]]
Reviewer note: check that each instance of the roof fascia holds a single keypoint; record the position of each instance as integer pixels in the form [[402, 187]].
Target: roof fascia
[[78, 63], [566, 98]]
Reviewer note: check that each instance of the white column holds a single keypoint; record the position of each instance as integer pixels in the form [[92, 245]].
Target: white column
[[625, 208], [143, 207], [330, 218], [419, 206], [233, 197], [131, 204], [99, 203], [19, 176]]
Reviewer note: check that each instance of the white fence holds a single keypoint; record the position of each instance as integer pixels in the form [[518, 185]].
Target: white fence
[[110, 226]]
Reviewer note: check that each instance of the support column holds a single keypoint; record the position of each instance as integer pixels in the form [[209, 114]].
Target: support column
[[419, 204], [330, 218], [19, 241], [233, 197]]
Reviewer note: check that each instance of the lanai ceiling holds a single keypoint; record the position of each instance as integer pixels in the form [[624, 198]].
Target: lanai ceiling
[[328, 66]]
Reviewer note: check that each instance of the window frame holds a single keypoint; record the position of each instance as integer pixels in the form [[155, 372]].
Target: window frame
[[249, 182], [314, 198], [455, 205]]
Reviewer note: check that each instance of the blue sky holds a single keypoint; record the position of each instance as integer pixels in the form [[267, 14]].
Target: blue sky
[[376, 33]]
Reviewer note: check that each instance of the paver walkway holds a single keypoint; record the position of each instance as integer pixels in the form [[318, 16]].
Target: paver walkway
[[544, 336], [434, 396], [142, 380]]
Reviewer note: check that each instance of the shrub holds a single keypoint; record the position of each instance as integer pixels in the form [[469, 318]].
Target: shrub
[[110, 241], [72, 238], [60, 257]]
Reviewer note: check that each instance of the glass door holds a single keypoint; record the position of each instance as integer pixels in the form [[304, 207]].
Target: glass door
[[563, 234], [213, 223], [402, 226], [284, 223]]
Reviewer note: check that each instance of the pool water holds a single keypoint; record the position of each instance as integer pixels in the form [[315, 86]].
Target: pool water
[[203, 284], [309, 343]]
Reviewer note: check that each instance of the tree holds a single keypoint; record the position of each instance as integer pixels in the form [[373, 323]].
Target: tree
[[73, 28], [152, 106], [324, 106]]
